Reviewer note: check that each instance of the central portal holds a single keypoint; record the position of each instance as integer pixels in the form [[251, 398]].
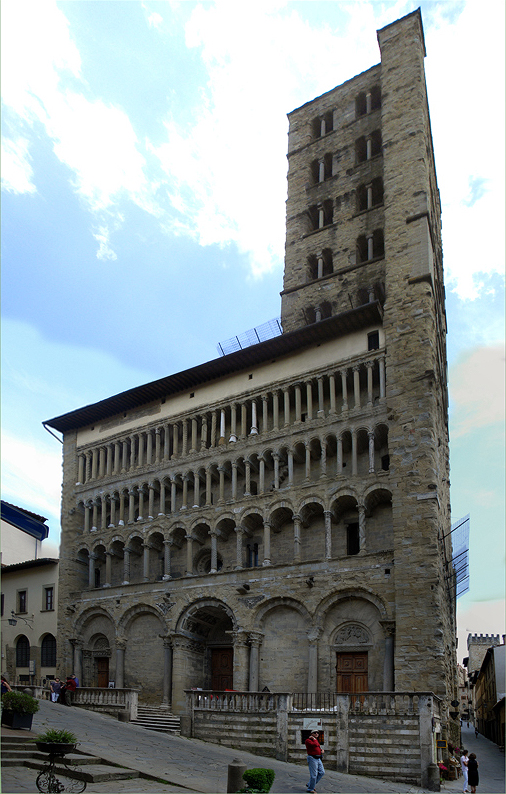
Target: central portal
[[351, 669], [222, 668]]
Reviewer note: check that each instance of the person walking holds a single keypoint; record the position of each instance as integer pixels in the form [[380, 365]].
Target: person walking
[[473, 776], [314, 761], [463, 766], [55, 687]]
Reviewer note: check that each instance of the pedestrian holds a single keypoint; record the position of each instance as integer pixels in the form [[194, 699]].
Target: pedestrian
[[6, 687], [70, 688], [75, 679], [55, 687], [314, 760], [463, 766], [475, 732], [473, 776]]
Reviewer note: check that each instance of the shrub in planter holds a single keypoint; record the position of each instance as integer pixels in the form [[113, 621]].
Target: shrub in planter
[[258, 780], [18, 709], [58, 742]]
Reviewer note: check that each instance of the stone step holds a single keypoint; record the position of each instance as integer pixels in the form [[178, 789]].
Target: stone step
[[157, 719], [28, 754]]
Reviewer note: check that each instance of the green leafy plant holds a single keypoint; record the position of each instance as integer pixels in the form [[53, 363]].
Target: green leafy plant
[[258, 780], [54, 736], [19, 703]]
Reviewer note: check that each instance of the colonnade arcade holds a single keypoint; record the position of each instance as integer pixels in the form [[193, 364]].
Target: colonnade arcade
[[182, 649], [355, 452], [348, 390], [285, 534]]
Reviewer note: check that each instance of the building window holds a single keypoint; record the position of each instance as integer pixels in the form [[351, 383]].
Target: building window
[[370, 247], [368, 146], [373, 342], [321, 215], [320, 265], [352, 539], [370, 195], [22, 652], [22, 601], [321, 169], [48, 651], [322, 125], [49, 598], [252, 555], [367, 101]]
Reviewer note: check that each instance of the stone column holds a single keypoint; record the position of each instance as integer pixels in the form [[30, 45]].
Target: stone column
[[173, 494], [321, 216], [131, 506], [189, 555], [94, 526], [344, 387], [265, 413], [141, 493], [108, 568], [261, 475], [340, 455], [195, 428], [354, 460], [94, 457], [117, 458], [290, 467], [221, 440], [319, 267], [369, 365], [101, 464], [381, 362], [213, 429], [184, 505], [158, 444], [121, 521], [388, 665], [91, 570], [247, 486], [126, 565], [241, 653], [275, 458], [255, 640], [296, 538], [286, 405], [175, 440], [244, 420], [87, 472], [145, 562], [309, 399], [124, 456], [86, 518], [332, 389], [209, 484], [361, 528], [184, 447], [167, 671], [149, 450], [151, 501], [203, 434], [328, 534], [368, 147], [356, 384], [234, 479], [308, 461], [275, 410], [369, 196], [167, 547], [298, 404], [196, 489], [166, 442], [239, 531], [120, 662], [323, 459], [80, 469], [254, 426], [370, 435], [140, 461], [161, 506], [370, 246], [221, 472], [267, 543], [321, 406], [312, 673], [214, 551], [321, 170]]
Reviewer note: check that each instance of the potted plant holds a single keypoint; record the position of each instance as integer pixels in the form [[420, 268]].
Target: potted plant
[[56, 742], [258, 780], [18, 709]]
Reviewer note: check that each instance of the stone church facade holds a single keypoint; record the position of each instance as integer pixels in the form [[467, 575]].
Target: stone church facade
[[279, 517]]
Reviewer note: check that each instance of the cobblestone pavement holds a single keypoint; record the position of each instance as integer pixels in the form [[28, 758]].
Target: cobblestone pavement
[[196, 766]]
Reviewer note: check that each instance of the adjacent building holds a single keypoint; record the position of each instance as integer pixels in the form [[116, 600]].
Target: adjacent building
[[487, 676], [279, 517]]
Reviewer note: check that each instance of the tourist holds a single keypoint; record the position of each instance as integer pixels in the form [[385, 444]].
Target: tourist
[[5, 685], [472, 770], [55, 687], [76, 680], [70, 688], [463, 766], [314, 760]]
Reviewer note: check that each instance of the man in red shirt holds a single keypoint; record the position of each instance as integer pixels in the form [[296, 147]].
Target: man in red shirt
[[70, 688], [314, 760]]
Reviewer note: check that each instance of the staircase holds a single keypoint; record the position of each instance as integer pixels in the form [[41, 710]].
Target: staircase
[[157, 719], [23, 752]]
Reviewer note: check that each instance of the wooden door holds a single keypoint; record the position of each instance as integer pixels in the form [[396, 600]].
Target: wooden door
[[103, 672], [351, 669], [222, 668]]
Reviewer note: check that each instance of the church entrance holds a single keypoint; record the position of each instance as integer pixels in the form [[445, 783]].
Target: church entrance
[[222, 668], [351, 669], [102, 671]]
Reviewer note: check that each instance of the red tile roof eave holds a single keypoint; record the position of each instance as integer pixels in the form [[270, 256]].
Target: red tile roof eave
[[331, 328]]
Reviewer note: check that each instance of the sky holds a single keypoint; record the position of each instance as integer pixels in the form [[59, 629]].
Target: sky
[[143, 213]]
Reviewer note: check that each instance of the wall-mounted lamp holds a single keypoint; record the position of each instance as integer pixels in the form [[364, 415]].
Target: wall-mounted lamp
[[13, 620]]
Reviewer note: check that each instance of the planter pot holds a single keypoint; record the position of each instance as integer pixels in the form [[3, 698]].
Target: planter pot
[[15, 720], [55, 748]]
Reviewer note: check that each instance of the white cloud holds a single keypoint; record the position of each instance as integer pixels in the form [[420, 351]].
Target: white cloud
[[17, 172], [105, 252], [477, 390]]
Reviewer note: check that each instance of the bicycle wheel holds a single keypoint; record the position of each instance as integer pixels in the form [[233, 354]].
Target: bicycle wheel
[[57, 783]]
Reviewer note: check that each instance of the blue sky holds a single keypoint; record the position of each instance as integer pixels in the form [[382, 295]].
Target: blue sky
[[143, 200]]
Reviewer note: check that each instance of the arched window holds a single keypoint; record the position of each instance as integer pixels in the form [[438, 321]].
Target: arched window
[[23, 652], [323, 124], [48, 651]]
